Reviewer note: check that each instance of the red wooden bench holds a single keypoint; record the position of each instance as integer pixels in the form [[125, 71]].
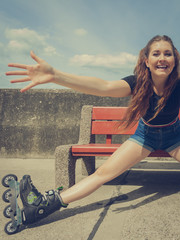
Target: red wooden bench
[[94, 121]]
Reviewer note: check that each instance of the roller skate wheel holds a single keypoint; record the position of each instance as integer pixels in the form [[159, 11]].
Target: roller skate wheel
[[6, 195], [7, 212], [10, 229], [5, 180]]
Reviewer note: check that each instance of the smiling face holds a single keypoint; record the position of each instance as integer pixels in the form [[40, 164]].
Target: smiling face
[[160, 60]]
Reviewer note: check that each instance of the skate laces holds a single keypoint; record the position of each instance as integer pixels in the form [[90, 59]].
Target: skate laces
[[34, 196], [34, 189]]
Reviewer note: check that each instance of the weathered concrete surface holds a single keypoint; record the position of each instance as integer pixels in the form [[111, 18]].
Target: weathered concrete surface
[[34, 123], [65, 161], [143, 204]]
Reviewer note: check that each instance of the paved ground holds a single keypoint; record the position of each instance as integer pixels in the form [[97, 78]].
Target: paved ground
[[143, 204]]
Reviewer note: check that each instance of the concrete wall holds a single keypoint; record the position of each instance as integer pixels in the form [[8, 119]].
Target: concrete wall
[[32, 124]]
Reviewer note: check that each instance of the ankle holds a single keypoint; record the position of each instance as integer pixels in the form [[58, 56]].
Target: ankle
[[60, 198]]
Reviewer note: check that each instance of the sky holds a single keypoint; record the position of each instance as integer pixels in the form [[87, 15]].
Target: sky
[[100, 38]]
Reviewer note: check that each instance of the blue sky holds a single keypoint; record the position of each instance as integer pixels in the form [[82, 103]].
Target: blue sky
[[86, 37]]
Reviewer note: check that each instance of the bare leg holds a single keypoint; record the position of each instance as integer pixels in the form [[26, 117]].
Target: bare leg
[[125, 157], [176, 153]]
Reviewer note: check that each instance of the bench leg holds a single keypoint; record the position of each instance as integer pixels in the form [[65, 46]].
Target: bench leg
[[64, 167], [88, 165]]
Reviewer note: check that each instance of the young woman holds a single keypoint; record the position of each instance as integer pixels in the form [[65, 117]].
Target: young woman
[[155, 90]]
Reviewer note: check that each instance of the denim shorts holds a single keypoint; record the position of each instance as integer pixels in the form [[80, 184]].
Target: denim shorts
[[157, 138]]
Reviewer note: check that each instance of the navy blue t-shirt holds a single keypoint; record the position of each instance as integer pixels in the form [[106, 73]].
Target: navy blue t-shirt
[[168, 113]]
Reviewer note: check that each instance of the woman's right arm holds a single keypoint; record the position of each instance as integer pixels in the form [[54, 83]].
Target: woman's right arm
[[42, 73]]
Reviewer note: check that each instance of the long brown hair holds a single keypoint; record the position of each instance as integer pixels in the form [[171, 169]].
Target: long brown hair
[[144, 87]]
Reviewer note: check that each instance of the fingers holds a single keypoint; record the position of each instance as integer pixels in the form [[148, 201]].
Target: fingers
[[25, 66], [21, 80], [35, 57], [16, 73], [31, 85], [24, 80], [28, 68], [17, 65]]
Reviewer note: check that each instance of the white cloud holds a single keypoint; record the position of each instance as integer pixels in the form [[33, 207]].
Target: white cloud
[[80, 31], [24, 40], [109, 61], [49, 50]]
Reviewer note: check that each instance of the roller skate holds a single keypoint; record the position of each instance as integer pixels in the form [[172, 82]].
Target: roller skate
[[35, 205]]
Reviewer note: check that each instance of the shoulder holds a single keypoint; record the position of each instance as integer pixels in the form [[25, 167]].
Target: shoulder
[[131, 80]]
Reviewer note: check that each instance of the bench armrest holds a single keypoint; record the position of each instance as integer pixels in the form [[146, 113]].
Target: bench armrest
[[85, 136]]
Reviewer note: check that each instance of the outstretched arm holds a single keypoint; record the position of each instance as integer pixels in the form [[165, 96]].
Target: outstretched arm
[[42, 73]]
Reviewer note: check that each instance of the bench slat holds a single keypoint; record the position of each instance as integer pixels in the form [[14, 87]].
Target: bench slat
[[109, 127], [106, 150], [108, 113]]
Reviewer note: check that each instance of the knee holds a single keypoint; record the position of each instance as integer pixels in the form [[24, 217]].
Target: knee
[[102, 173]]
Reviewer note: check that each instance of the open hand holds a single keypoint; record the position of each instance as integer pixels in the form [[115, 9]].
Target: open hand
[[37, 74]]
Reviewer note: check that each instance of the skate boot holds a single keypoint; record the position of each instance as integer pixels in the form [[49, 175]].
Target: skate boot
[[35, 205]]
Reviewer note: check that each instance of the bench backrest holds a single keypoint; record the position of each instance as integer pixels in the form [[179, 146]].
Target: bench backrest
[[105, 119]]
